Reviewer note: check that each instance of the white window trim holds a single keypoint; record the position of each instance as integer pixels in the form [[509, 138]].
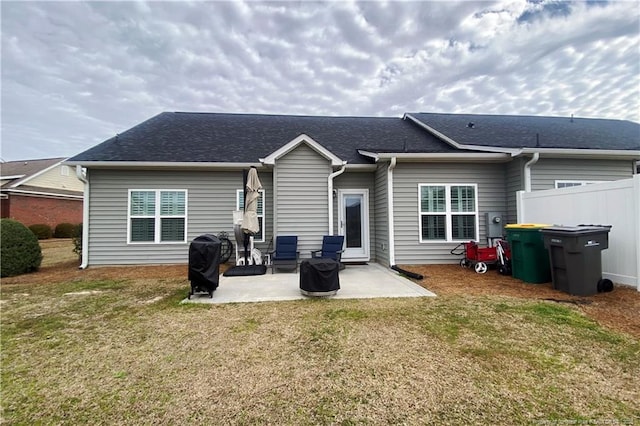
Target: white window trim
[[448, 213], [574, 182], [260, 216], [157, 216]]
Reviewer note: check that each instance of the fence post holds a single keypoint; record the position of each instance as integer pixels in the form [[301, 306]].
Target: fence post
[[636, 207], [520, 208]]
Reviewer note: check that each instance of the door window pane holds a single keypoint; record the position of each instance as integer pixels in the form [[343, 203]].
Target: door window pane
[[353, 216]]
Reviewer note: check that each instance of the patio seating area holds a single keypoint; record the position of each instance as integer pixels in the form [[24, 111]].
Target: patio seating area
[[356, 282]]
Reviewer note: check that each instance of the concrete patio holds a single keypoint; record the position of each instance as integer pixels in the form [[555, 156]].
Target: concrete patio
[[356, 282]]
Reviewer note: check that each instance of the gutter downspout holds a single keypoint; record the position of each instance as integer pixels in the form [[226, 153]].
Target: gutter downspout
[[85, 219], [330, 194], [527, 171], [392, 248]]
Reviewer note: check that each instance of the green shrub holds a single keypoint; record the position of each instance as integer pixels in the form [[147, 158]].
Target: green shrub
[[19, 249], [64, 230], [42, 231], [77, 240]]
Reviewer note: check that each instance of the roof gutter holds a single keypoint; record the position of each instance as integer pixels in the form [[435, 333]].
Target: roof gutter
[[85, 218], [44, 194], [163, 164], [330, 194], [437, 156], [568, 152]]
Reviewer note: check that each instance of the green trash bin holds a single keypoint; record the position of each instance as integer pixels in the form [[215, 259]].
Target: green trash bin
[[575, 254], [529, 257]]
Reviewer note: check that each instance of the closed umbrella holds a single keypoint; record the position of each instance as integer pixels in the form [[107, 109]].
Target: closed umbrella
[[250, 224]]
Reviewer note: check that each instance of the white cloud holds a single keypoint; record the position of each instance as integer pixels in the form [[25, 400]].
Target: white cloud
[[74, 74]]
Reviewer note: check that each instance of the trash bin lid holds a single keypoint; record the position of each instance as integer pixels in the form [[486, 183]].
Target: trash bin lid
[[575, 230], [526, 225]]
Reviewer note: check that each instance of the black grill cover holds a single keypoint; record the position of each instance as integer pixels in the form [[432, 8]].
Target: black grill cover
[[319, 275], [204, 263]]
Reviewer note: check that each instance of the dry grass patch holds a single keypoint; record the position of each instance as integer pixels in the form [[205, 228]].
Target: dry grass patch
[[115, 346], [108, 357]]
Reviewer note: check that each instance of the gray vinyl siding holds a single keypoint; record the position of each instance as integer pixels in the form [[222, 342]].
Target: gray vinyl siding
[[490, 179], [380, 229], [357, 180], [515, 183], [547, 170], [211, 199], [301, 207]]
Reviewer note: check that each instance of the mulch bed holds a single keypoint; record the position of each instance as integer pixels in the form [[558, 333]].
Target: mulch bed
[[618, 310]]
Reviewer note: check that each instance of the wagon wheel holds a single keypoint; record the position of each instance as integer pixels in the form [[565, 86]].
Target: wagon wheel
[[481, 267], [464, 263]]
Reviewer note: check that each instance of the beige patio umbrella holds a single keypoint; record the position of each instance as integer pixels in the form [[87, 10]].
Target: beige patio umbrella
[[250, 224]]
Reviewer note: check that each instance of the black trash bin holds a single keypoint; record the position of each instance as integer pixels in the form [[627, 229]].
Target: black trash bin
[[575, 258], [204, 264]]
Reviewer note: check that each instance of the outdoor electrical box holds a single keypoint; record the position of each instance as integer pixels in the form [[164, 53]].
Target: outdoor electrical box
[[494, 225]]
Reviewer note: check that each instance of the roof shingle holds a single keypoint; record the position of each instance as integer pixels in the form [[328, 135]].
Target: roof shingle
[[245, 138]]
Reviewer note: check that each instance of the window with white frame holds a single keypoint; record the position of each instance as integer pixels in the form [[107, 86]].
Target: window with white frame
[[570, 183], [157, 216], [259, 237], [448, 212]]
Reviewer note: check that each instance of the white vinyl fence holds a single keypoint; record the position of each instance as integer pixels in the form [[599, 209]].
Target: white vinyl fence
[[611, 203]]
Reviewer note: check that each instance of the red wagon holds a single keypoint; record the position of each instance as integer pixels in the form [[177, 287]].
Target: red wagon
[[480, 258]]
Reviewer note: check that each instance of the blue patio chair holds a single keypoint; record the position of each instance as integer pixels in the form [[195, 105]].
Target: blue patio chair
[[286, 253], [331, 249]]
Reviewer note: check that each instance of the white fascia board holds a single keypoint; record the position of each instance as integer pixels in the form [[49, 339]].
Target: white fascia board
[[457, 145], [11, 177], [613, 154], [369, 154], [271, 158], [45, 194], [441, 156], [160, 165], [361, 167], [46, 169]]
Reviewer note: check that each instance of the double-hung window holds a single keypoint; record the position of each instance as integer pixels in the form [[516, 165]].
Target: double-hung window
[[259, 237], [570, 183], [448, 212], [157, 216]]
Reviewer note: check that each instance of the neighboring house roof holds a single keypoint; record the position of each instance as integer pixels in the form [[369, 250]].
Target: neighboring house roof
[[514, 131], [246, 138], [16, 172], [18, 176]]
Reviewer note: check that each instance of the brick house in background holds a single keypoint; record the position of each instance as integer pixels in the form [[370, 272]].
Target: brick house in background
[[40, 192]]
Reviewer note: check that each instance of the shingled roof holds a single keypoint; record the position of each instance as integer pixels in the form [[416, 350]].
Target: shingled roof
[[245, 138], [515, 131]]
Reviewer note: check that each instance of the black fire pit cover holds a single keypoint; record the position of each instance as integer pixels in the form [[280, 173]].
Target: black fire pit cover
[[319, 277]]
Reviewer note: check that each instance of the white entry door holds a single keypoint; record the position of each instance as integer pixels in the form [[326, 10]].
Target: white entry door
[[353, 223]]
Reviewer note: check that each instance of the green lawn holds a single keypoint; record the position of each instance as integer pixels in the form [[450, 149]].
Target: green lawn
[[127, 352]]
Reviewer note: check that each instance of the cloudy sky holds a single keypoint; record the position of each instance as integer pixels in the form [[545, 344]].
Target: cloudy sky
[[76, 73]]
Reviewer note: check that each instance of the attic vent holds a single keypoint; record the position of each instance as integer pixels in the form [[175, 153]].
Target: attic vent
[[471, 125]]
